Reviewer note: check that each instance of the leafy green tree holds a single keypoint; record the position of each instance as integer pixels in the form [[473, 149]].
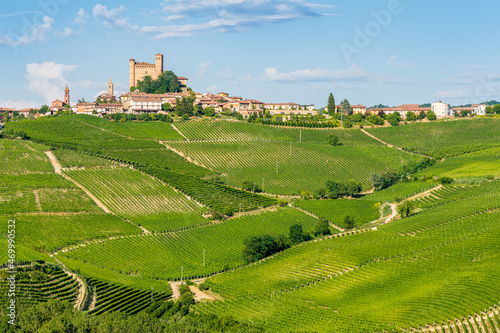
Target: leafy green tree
[[331, 104], [393, 120], [296, 234], [446, 180], [464, 113], [333, 140], [321, 193], [345, 107], [411, 116], [353, 187], [376, 180], [496, 109], [374, 119], [258, 247], [421, 115], [44, 109], [431, 115], [322, 228], [228, 211], [405, 209], [209, 112], [167, 107], [488, 110], [349, 222], [166, 82]]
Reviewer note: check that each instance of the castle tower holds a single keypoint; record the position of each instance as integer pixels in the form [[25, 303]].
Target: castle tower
[[66, 95], [110, 88], [131, 73], [158, 64]]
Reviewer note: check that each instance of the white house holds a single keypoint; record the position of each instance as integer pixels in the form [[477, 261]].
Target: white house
[[440, 109], [480, 110], [145, 105]]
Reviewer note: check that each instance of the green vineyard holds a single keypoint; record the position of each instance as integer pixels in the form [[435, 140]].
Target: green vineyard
[[439, 261], [129, 208], [443, 139], [241, 131], [38, 284], [288, 168], [163, 255], [113, 298], [335, 211], [130, 193]]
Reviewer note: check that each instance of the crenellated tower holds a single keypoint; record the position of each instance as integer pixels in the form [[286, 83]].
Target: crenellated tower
[[158, 64]]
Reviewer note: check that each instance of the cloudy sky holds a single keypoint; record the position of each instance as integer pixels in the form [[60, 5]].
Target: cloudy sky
[[368, 51]]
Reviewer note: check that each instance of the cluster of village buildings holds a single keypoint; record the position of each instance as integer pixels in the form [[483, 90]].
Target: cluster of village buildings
[[138, 103]]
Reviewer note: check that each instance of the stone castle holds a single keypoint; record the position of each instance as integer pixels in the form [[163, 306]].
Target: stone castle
[[138, 70]]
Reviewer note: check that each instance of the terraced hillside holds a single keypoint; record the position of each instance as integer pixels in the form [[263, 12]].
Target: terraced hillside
[[139, 197], [108, 297], [437, 266], [288, 168], [443, 138], [163, 255], [484, 163], [37, 284], [231, 131], [437, 270]]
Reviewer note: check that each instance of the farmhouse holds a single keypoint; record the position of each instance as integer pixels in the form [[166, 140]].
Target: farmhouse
[[440, 109]]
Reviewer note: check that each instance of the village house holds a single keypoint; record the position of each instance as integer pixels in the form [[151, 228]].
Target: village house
[[441, 109], [402, 110]]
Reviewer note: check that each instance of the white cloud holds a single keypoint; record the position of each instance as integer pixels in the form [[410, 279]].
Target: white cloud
[[36, 33], [68, 31], [318, 74], [81, 17], [47, 79], [399, 65], [203, 68], [19, 104], [212, 16], [113, 18]]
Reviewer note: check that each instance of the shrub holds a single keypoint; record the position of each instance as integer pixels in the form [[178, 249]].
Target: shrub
[[333, 140], [446, 180], [203, 286]]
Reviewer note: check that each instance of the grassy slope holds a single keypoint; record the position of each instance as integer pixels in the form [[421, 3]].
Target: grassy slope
[[363, 211], [444, 137], [399, 191], [484, 163], [23, 157]]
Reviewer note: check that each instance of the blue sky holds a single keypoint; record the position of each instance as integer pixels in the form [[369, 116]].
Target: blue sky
[[368, 51]]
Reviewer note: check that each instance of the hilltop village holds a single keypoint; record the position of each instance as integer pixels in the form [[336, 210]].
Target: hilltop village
[[153, 91]]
